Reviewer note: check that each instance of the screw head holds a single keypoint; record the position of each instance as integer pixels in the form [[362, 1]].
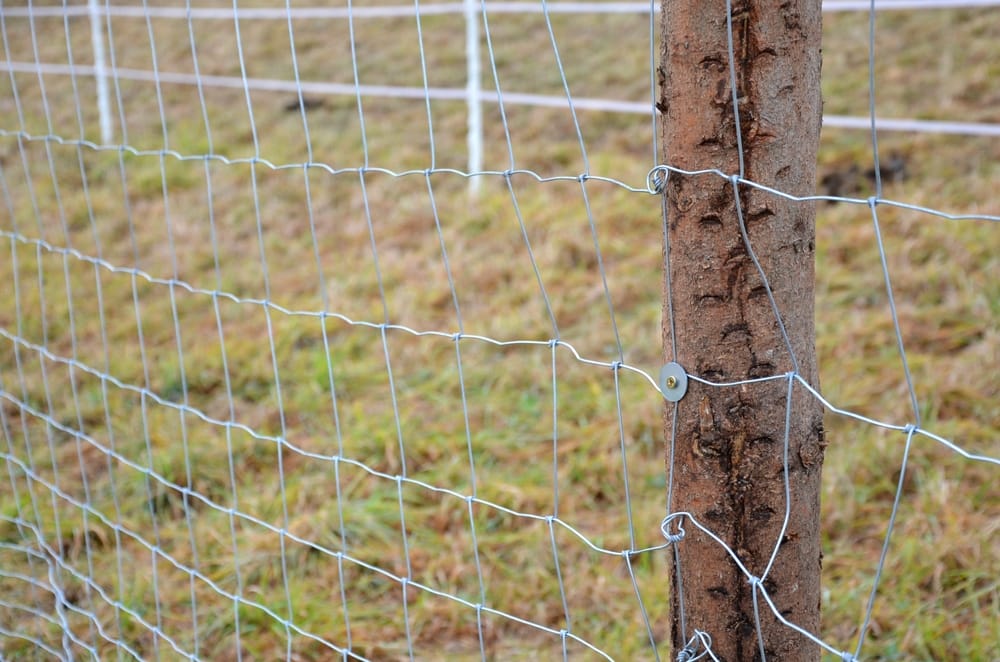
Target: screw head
[[673, 382]]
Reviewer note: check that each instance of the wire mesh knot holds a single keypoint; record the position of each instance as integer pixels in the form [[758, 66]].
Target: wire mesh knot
[[690, 651], [672, 538], [656, 179]]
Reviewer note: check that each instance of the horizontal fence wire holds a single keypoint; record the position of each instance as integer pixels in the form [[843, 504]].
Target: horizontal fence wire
[[439, 8], [456, 94]]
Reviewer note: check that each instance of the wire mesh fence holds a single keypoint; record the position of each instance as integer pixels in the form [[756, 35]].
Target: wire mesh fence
[[276, 384]]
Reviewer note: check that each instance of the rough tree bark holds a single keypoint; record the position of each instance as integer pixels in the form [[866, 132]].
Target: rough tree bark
[[729, 445]]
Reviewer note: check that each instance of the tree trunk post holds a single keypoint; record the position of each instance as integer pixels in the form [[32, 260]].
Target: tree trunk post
[[737, 258]]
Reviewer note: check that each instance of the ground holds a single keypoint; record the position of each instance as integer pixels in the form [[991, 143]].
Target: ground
[[199, 353]]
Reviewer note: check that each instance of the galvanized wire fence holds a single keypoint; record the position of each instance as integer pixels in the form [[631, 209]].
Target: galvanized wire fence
[[278, 383]]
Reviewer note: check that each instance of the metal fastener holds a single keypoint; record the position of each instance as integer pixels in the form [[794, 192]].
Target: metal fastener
[[673, 381]]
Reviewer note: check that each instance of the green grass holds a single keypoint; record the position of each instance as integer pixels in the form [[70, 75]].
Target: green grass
[[939, 597]]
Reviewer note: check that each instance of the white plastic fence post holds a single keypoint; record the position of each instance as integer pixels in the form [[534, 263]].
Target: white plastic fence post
[[472, 92], [100, 72]]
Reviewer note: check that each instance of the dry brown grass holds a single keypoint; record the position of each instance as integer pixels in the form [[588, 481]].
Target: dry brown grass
[[939, 594]]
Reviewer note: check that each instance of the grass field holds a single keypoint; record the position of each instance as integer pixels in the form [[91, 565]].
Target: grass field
[[142, 375]]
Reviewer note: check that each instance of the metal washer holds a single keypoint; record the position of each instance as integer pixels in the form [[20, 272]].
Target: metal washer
[[673, 382]]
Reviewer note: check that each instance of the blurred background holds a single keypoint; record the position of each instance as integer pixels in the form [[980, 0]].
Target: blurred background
[[235, 411]]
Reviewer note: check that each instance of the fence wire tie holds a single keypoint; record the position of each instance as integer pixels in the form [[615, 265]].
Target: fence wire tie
[[673, 538], [656, 179], [690, 651]]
